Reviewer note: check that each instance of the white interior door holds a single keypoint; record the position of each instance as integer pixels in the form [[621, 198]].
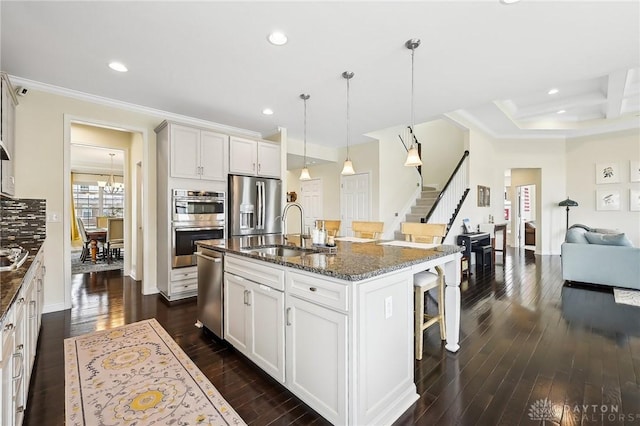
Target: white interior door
[[311, 201], [355, 202]]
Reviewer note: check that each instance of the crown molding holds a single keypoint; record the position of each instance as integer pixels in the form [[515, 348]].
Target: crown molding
[[114, 103]]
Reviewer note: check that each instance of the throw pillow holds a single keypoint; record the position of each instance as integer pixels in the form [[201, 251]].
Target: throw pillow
[[579, 225], [608, 239], [605, 231], [576, 235]]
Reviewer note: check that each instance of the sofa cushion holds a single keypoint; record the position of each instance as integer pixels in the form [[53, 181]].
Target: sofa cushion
[[608, 239], [576, 235]]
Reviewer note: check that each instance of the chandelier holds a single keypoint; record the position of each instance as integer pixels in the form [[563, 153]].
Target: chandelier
[[110, 186]]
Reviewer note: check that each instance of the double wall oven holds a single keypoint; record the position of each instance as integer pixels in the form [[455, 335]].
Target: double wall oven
[[196, 215]]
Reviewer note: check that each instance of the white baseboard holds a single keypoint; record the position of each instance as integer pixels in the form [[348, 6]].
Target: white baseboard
[[55, 307]]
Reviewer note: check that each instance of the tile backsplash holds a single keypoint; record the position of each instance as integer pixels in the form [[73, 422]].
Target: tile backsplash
[[23, 218]]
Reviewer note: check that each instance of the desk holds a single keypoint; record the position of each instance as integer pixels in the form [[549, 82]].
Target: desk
[[94, 236], [468, 241]]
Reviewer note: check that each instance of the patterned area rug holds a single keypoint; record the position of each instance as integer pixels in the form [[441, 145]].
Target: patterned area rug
[[78, 267], [627, 297], [137, 374]]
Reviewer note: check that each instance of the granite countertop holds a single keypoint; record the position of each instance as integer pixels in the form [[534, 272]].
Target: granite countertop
[[351, 261], [11, 281]]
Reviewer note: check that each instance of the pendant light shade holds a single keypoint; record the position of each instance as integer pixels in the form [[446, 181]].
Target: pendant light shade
[[304, 174], [347, 169], [413, 156]]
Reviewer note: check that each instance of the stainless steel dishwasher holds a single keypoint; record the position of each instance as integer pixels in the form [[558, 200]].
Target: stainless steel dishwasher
[[210, 291]]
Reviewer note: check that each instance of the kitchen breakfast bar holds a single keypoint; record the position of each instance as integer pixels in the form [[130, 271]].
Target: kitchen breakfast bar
[[334, 326]]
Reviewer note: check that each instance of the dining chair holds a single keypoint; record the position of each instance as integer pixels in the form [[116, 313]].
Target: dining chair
[[367, 229], [425, 281], [332, 227], [85, 240], [115, 237], [102, 221]]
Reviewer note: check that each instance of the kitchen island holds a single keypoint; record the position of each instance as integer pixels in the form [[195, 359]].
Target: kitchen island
[[336, 329]]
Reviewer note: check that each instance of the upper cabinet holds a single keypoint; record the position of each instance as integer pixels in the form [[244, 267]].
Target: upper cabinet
[[7, 134], [197, 154], [251, 157]]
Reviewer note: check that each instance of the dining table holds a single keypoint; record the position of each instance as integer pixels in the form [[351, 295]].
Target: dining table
[[96, 235]]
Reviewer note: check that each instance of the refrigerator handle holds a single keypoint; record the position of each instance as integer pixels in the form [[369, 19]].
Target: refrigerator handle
[[259, 206], [264, 210]]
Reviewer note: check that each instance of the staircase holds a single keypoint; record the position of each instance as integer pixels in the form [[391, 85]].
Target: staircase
[[442, 207], [420, 209]]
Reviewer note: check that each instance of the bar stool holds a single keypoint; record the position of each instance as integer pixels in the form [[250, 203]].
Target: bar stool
[[367, 229], [425, 281]]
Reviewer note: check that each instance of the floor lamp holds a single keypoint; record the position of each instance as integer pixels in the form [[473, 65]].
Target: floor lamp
[[568, 203]]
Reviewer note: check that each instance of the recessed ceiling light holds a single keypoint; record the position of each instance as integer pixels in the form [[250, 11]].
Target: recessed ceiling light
[[278, 38], [562, 111], [509, 1], [267, 111], [118, 66], [553, 91]]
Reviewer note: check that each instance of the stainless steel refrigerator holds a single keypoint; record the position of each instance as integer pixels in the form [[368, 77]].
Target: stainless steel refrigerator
[[254, 205]]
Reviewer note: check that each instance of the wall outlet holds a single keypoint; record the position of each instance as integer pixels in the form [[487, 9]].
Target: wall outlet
[[388, 307], [53, 217]]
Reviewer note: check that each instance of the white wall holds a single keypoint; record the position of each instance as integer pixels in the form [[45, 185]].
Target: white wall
[[582, 156], [40, 162]]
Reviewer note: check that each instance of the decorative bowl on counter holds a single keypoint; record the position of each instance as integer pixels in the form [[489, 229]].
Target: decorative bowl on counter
[[12, 258]]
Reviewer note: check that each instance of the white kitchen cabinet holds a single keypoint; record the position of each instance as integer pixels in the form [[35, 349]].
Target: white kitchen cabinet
[[251, 157], [7, 133], [316, 341], [20, 328], [254, 320], [196, 153]]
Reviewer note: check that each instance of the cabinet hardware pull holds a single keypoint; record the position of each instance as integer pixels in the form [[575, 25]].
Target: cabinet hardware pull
[[19, 375], [245, 297], [248, 298], [259, 165], [21, 300], [20, 409], [288, 316], [313, 289], [253, 166], [8, 327]]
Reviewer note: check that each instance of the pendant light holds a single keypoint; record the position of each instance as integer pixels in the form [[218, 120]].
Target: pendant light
[[111, 186], [304, 174], [413, 157], [348, 165]]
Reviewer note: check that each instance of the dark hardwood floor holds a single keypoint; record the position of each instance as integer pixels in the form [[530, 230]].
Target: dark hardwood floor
[[526, 336]]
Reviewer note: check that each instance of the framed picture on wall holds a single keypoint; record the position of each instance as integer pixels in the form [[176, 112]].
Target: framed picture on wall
[[634, 171], [608, 199], [607, 173], [634, 200], [484, 196]]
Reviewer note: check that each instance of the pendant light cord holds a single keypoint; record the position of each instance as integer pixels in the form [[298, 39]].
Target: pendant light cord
[[413, 51], [348, 134], [305, 130]]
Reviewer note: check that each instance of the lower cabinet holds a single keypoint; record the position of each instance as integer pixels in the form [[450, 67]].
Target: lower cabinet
[[254, 322], [317, 357], [20, 328]]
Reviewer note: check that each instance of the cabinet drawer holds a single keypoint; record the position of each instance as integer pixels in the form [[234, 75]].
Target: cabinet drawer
[[190, 273], [255, 271], [317, 290], [184, 286]]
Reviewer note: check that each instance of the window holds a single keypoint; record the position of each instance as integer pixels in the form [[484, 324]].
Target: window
[[91, 201]]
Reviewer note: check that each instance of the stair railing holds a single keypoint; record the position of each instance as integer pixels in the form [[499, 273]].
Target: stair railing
[[449, 201]]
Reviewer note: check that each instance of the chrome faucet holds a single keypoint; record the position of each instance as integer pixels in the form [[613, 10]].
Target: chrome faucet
[[284, 221]]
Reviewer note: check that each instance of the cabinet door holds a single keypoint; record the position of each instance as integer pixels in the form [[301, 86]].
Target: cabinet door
[[243, 156], [236, 324], [268, 159], [317, 358], [6, 389], [212, 155], [7, 135], [185, 151], [267, 331]]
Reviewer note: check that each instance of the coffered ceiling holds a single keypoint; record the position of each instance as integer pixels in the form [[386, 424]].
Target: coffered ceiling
[[491, 62]]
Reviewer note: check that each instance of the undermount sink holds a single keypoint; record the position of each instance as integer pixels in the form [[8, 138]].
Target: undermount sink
[[282, 251], [12, 258]]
